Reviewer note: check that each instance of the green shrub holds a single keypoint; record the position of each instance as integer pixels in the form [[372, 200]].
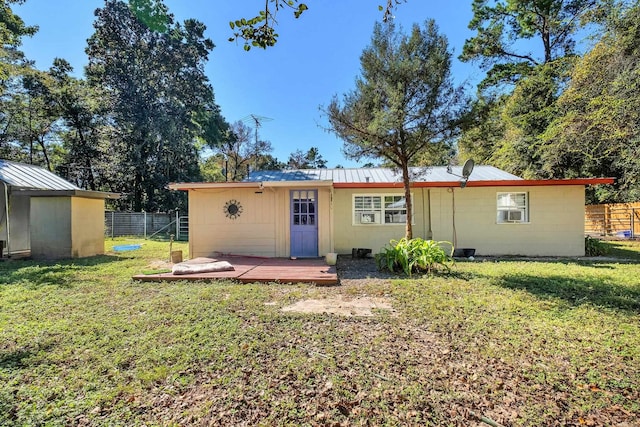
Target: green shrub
[[595, 247], [415, 256]]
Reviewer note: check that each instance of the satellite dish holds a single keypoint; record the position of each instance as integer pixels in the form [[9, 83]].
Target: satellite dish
[[467, 169]]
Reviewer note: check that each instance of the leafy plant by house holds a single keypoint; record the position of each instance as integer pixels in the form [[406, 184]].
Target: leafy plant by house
[[594, 247], [415, 255]]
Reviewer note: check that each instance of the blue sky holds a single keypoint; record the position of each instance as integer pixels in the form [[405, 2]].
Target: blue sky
[[316, 57]]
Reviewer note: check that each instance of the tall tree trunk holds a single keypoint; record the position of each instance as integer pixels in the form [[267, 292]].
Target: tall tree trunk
[[30, 134], [44, 152], [546, 40], [137, 192], [89, 175], [86, 152], [407, 197]]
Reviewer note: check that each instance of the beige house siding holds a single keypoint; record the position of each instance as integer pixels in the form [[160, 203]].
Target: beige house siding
[[555, 227], [325, 221], [349, 235], [263, 228], [87, 227], [466, 217]]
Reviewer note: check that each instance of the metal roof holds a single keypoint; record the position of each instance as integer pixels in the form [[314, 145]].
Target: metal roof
[[381, 175], [23, 176]]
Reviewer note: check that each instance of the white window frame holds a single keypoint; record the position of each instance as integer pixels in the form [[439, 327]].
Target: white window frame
[[507, 214], [375, 213]]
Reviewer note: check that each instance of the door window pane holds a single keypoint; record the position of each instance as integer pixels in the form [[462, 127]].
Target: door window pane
[[303, 208]]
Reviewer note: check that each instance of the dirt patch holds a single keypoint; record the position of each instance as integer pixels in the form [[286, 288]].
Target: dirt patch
[[159, 265], [342, 306]]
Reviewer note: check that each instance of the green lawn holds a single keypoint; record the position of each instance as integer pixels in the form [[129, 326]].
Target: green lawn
[[518, 342]]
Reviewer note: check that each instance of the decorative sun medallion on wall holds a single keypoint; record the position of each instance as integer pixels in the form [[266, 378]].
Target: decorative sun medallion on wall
[[232, 209]]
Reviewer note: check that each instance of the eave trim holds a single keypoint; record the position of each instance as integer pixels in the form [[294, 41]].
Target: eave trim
[[497, 183], [441, 184]]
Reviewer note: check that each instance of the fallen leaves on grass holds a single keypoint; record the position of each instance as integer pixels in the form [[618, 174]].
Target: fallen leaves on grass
[[363, 371], [517, 352]]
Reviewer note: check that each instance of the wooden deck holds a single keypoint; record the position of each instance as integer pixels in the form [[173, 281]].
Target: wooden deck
[[263, 270]]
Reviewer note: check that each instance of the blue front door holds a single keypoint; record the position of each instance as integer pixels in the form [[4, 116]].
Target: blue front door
[[304, 223]]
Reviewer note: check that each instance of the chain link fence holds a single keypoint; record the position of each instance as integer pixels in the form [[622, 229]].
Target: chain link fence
[[146, 225]]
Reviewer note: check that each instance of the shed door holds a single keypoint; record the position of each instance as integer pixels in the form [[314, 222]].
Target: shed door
[[304, 223]]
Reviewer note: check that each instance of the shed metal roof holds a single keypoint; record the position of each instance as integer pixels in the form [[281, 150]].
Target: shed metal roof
[[24, 176], [432, 174]]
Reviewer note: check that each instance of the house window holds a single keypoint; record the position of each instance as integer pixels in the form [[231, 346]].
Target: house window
[[379, 209], [513, 208]]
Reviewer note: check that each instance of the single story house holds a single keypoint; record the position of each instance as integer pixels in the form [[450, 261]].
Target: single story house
[[309, 213], [47, 217]]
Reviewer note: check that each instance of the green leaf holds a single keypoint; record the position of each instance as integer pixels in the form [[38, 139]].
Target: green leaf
[[301, 8], [232, 25]]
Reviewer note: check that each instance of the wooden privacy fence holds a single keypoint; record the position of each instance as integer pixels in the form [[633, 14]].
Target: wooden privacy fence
[[618, 220], [145, 224]]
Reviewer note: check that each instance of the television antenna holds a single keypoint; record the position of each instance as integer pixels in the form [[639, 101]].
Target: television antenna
[[257, 121], [467, 168]]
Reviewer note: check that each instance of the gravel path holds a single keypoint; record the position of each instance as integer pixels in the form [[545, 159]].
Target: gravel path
[[354, 271]]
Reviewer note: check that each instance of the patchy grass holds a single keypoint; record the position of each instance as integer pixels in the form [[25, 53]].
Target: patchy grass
[[567, 332], [627, 249], [520, 342]]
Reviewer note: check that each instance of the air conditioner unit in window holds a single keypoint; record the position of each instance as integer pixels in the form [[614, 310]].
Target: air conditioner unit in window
[[515, 216], [368, 217]]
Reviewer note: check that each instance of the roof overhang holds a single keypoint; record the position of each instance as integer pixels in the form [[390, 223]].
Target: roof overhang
[[298, 184], [186, 186], [191, 186], [497, 183], [87, 194]]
